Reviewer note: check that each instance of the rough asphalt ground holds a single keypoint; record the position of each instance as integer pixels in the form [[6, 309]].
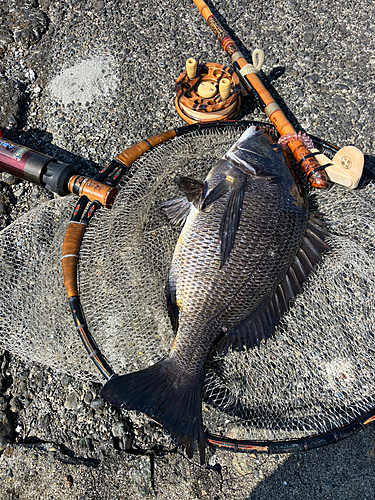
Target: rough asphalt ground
[[82, 81]]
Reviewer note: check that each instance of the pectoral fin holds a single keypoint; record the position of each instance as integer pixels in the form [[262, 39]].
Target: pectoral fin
[[218, 191], [231, 217]]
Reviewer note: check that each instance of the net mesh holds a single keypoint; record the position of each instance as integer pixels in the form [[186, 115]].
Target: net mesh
[[314, 374]]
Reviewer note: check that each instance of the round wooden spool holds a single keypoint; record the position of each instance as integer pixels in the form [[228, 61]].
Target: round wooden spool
[[198, 99]]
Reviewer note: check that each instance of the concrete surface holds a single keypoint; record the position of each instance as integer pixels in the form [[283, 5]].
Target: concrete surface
[[84, 80]]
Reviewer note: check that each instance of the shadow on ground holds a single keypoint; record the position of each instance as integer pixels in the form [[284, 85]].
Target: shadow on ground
[[337, 472]]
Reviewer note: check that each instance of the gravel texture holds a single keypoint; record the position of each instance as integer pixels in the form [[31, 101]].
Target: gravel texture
[[82, 81]]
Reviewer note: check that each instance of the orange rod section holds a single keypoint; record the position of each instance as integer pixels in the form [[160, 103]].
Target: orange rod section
[[277, 117], [70, 251], [203, 9], [94, 190], [130, 155]]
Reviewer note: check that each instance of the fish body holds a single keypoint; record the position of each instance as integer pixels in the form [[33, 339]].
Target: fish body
[[246, 247]]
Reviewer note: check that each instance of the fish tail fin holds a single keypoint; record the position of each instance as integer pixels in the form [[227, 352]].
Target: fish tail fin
[[155, 392]]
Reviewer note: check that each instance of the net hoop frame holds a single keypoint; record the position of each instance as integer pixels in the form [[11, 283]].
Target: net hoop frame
[[305, 443]]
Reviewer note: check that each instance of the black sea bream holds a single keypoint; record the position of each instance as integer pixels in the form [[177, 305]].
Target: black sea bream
[[245, 249]]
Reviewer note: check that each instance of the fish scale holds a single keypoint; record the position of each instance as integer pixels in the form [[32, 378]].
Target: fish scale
[[255, 236], [246, 238]]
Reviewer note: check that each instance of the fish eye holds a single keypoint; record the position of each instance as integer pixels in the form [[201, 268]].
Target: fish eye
[[276, 147]]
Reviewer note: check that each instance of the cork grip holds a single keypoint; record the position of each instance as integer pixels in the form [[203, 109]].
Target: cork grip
[[94, 190], [70, 251], [130, 155]]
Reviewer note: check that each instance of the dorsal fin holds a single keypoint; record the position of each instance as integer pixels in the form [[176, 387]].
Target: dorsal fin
[[258, 326]]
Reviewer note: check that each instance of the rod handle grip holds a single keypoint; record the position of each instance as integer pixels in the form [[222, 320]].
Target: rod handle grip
[[130, 155], [309, 164], [69, 261], [94, 190]]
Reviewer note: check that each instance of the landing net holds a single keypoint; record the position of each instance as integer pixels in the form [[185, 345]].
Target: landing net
[[315, 374]]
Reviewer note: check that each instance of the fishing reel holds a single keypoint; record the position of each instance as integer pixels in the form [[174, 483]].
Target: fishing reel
[[207, 92]]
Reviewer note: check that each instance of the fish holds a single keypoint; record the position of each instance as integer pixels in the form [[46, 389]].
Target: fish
[[247, 244]]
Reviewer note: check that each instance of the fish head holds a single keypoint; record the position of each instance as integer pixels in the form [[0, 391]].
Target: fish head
[[257, 154]]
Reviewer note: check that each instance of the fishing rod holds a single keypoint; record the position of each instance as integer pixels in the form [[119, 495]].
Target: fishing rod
[[298, 143], [46, 171], [209, 92]]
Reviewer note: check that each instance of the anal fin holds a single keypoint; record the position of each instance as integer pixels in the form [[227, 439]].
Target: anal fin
[[260, 325], [251, 331]]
